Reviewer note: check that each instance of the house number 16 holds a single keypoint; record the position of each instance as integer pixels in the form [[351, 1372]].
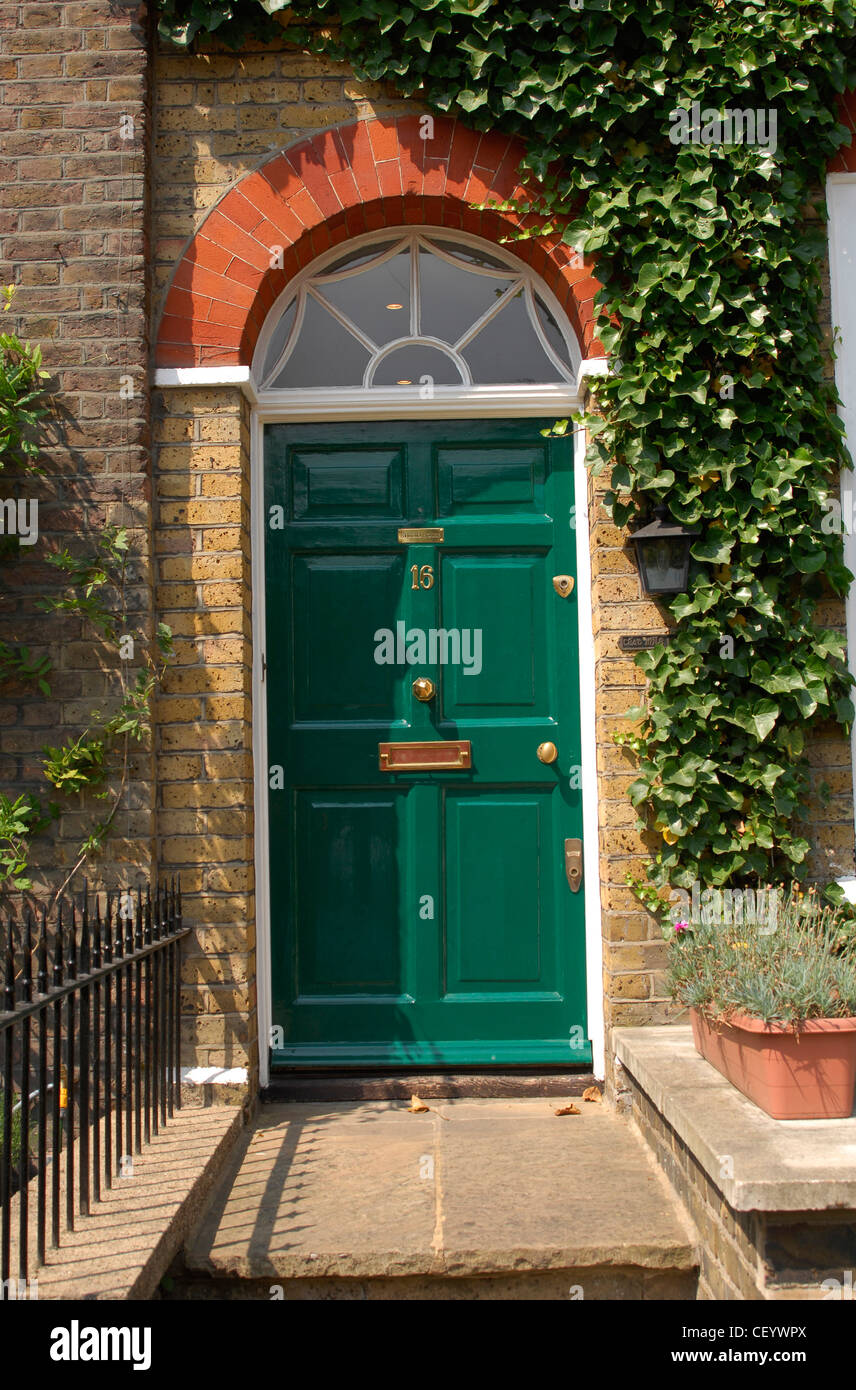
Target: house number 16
[[423, 577]]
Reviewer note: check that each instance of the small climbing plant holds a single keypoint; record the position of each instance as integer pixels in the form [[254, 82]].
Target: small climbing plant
[[95, 592], [680, 146]]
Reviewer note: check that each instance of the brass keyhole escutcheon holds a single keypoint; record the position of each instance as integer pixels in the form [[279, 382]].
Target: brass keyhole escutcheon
[[547, 752], [424, 689], [563, 584]]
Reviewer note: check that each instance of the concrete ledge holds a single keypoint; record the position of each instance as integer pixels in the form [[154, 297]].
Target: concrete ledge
[[124, 1248], [759, 1164]]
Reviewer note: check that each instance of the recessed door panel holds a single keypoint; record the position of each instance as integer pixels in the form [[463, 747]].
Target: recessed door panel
[[494, 607], [338, 601], [348, 939], [486, 480], [347, 484], [496, 892]]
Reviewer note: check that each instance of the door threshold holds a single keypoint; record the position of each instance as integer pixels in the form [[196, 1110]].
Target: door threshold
[[470, 1085]]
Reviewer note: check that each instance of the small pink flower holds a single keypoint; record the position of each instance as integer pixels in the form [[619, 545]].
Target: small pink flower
[[682, 926]]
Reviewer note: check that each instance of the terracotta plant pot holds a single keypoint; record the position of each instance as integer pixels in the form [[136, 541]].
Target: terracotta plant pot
[[808, 1075]]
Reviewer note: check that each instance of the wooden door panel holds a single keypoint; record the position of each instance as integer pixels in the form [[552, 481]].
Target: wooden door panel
[[495, 897], [421, 917], [486, 480], [337, 600], [500, 597], [344, 484], [347, 893]]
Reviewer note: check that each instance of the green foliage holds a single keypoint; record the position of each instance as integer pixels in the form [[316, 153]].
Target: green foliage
[[19, 821], [77, 765], [96, 761], [233, 21], [20, 416], [20, 391], [16, 664], [787, 971], [89, 575], [719, 405], [16, 1135], [96, 593]]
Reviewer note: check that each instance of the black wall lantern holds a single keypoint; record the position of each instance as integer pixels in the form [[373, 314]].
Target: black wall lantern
[[663, 554]]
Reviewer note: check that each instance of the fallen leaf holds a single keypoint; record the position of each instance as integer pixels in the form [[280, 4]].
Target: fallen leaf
[[592, 1093], [416, 1106], [568, 1110]]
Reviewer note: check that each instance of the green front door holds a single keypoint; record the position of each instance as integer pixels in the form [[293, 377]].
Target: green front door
[[422, 916]]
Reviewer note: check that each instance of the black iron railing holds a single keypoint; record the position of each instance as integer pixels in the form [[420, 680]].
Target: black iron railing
[[89, 1058]]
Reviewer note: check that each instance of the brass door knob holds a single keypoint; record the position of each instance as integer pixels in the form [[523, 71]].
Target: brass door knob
[[547, 752], [424, 689]]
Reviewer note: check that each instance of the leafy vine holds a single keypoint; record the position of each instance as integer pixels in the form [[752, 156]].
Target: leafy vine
[[710, 252], [97, 760]]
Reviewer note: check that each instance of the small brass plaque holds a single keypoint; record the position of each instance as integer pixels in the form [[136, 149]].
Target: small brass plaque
[[642, 641], [425, 757], [421, 535]]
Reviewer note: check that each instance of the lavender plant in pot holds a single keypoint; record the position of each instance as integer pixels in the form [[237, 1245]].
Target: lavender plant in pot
[[773, 1007]]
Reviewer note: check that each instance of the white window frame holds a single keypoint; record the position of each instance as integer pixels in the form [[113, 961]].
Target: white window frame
[[311, 281]]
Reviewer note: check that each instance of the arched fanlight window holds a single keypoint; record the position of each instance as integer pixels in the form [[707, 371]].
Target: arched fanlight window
[[409, 309]]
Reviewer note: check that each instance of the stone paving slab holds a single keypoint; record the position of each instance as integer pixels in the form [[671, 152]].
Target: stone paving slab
[[775, 1165], [470, 1188], [127, 1243]]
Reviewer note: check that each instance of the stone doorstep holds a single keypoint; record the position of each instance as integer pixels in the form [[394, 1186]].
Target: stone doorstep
[[776, 1165], [470, 1189], [125, 1246]]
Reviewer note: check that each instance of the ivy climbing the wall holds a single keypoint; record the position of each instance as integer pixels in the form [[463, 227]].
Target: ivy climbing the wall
[[683, 145], [94, 593]]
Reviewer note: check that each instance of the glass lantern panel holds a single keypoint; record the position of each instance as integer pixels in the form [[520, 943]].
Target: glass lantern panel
[[453, 298], [326, 354], [407, 366], [665, 562], [279, 338], [552, 332], [377, 300], [362, 257], [507, 349]]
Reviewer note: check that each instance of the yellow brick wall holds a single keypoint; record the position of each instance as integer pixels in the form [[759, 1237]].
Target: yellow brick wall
[[203, 735]]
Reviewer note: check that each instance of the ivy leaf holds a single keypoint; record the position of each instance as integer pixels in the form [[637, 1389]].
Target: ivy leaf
[[758, 719]]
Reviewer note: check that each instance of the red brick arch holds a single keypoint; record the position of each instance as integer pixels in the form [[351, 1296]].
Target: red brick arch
[[352, 179]]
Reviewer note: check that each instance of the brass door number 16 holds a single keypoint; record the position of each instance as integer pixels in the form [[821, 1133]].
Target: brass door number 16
[[423, 576]]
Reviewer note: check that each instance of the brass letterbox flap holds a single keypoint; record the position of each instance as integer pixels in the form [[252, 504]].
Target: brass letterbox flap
[[436, 756]]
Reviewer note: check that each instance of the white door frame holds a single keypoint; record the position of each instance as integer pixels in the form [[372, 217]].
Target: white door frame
[[397, 404]]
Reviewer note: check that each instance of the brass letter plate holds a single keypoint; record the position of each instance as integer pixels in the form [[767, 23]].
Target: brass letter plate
[[574, 864], [424, 757], [420, 535]]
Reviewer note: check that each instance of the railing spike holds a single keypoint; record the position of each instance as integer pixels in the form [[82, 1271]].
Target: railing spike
[[42, 981], [138, 922], [108, 937], [27, 970], [71, 959], [85, 954], [59, 950], [96, 937], [9, 985]]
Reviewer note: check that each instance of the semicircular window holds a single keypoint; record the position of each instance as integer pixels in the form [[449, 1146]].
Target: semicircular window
[[416, 309]]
